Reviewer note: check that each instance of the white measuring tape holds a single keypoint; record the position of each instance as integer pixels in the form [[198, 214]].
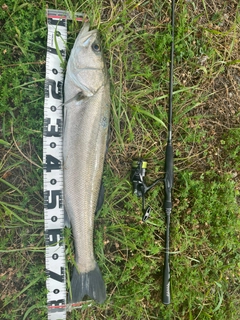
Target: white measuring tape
[[53, 164]]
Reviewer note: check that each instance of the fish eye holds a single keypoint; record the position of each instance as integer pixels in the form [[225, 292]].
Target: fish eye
[[96, 47]]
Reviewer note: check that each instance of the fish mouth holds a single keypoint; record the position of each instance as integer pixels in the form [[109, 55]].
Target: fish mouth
[[85, 35]]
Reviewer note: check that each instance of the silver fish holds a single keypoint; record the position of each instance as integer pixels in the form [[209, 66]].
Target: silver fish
[[86, 122]]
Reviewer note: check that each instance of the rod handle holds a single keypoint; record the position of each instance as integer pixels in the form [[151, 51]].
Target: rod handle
[[166, 298]]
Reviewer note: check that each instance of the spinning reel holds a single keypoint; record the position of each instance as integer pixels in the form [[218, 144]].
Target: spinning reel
[[139, 186]]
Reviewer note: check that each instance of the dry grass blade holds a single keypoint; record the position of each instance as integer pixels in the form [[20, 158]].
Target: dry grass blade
[[20, 151]]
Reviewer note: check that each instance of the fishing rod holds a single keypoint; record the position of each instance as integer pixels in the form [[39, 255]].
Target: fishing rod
[[139, 171], [168, 178]]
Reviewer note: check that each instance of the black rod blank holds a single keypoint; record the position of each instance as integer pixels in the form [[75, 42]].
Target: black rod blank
[[168, 178]]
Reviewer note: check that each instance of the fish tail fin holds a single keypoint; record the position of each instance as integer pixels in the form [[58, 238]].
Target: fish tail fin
[[87, 284]]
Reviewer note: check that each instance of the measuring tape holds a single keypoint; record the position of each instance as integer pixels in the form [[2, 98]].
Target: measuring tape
[[53, 163]]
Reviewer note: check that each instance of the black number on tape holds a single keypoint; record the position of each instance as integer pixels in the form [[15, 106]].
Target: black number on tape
[[52, 163], [53, 236], [56, 276], [54, 305], [54, 51], [51, 197], [52, 130], [52, 83]]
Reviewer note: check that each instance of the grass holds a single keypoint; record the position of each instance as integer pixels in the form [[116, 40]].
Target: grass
[[204, 226]]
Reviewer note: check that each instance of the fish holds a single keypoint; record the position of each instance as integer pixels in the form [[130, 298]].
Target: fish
[[85, 139]]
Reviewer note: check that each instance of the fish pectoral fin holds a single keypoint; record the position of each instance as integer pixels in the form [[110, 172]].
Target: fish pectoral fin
[[80, 96]]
